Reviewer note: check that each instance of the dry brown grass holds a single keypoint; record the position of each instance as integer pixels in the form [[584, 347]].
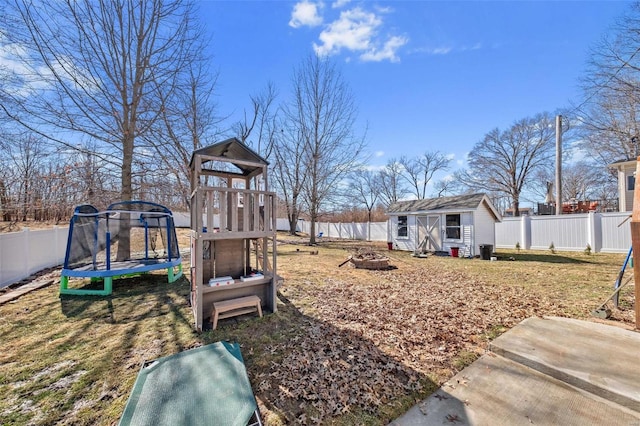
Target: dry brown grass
[[347, 346]]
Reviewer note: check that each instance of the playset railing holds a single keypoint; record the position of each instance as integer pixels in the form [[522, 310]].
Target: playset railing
[[233, 213]]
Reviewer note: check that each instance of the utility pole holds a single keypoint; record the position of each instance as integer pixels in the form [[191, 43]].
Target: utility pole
[[558, 165]]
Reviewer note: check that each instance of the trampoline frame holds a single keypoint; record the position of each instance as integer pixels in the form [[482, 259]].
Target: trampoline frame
[[106, 271]]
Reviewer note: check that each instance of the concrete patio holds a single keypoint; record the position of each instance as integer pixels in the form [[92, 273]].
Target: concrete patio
[[544, 371]]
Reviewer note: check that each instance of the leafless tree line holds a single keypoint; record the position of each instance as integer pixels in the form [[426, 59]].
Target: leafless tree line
[[107, 99], [122, 84]]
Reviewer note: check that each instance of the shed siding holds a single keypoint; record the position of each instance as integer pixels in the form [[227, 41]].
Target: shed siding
[[407, 243], [628, 194], [485, 228], [625, 201]]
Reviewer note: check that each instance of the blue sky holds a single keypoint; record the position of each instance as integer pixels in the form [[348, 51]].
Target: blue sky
[[426, 75]]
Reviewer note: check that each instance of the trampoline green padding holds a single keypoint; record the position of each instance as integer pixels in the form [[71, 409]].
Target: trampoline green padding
[[202, 386]]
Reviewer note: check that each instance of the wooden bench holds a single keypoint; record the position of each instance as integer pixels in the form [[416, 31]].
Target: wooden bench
[[233, 307]]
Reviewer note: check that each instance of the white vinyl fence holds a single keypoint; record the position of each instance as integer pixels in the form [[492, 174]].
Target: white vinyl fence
[[26, 252], [603, 232], [369, 231]]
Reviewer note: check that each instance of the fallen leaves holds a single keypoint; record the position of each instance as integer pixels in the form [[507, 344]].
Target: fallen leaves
[[375, 336], [327, 371]]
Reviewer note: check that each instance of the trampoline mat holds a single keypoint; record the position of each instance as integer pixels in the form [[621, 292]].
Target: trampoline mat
[[202, 386]]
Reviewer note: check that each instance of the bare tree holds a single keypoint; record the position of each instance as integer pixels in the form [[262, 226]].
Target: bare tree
[[365, 185], [392, 187], [97, 70], [504, 162], [102, 69], [581, 181], [419, 171], [609, 111], [260, 128], [188, 120], [446, 186], [322, 115], [27, 154], [290, 174]]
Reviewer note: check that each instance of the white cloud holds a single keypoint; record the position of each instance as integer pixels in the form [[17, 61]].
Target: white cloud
[[373, 168], [356, 30], [352, 31], [24, 73], [339, 3], [385, 9], [441, 50], [450, 157], [444, 50], [306, 13], [387, 52], [379, 154]]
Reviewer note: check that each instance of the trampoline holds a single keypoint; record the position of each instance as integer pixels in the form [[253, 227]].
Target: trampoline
[[203, 386], [129, 238]]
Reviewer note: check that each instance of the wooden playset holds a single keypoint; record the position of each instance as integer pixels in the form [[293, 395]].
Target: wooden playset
[[233, 224]]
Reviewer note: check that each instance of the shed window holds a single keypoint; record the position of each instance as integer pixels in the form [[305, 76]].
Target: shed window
[[402, 226], [453, 226], [631, 183]]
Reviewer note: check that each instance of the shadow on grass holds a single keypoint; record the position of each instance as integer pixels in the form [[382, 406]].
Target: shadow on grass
[[542, 257], [132, 299], [84, 351], [305, 370]]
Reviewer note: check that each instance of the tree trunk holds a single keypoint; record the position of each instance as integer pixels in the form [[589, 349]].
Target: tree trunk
[[4, 203], [124, 233], [516, 206], [293, 220], [312, 232]]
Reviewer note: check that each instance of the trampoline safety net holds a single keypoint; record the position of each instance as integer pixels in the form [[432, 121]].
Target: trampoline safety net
[[127, 233]]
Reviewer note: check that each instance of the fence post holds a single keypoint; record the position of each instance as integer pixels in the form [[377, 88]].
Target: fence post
[[525, 232], [27, 264], [56, 243], [61, 240], [594, 231]]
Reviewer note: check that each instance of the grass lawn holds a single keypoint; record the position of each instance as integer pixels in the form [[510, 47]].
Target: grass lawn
[[347, 346]]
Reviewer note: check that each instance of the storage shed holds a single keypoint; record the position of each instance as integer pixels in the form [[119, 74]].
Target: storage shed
[[461, 223]]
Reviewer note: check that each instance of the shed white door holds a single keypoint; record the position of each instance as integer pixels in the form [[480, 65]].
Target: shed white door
[[429, 233]]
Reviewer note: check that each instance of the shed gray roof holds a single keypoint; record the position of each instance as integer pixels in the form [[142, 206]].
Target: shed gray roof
[[457, 202]]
